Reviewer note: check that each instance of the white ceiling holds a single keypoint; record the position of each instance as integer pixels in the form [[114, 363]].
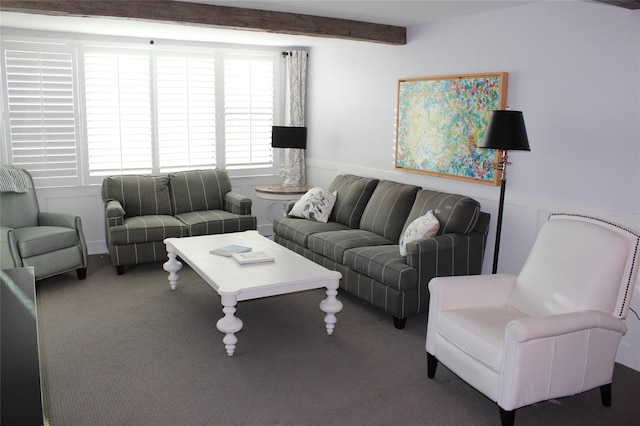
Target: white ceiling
[[390, 12]]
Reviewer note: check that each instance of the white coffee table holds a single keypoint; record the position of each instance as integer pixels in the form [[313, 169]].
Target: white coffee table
[[288, 273]]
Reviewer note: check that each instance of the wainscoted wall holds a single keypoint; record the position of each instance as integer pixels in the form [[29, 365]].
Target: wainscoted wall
[[523, 217], [86, 201]]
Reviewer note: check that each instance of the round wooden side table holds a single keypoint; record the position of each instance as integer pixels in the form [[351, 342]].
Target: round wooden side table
[[279, 192]]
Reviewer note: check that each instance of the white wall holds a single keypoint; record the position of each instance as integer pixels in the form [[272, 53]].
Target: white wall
[[574, 70]]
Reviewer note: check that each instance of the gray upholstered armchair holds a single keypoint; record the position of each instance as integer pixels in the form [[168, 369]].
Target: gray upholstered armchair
[[53, 243]]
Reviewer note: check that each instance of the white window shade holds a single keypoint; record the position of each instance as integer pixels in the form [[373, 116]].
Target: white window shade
[[40, 101], [75, 112], [186, 107], [248, 110], [118, 112]]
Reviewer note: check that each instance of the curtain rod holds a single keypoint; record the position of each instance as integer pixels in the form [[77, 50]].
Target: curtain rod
[[287, 53]]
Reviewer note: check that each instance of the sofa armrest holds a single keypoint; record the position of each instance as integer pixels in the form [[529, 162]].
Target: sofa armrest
[[237, 203], [9, 248], [446, 255], [114, 213]]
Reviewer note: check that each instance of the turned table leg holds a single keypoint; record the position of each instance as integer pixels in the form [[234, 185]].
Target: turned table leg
[[172, 266], [229, 324], [331, 306]]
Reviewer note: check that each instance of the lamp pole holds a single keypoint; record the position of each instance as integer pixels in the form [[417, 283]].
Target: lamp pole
[[502, 166]]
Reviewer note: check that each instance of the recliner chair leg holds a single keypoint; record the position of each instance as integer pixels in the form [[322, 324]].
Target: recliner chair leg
[[605, 395], [81, 273], [507, 418], [432, 364]]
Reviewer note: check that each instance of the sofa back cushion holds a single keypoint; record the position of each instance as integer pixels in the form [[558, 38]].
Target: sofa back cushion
[[456, 213], [388, 209], [353, 194], [139, 195], [198, 190]]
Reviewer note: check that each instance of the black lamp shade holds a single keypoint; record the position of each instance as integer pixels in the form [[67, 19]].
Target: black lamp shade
[[289, 137], [506, 131]]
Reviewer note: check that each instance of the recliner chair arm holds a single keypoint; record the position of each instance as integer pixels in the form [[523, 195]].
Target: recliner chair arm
[[66, 220], [57, 219], [471, 291], [9, 248], [237, 203], [526, 329], [557, 355]]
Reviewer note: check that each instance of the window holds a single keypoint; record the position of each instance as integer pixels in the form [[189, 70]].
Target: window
[[186, 93], [78, 112], [41, 126], [118, 112], [248, 111]]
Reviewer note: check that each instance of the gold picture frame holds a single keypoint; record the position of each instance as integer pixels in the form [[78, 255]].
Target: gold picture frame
[[441, 120]]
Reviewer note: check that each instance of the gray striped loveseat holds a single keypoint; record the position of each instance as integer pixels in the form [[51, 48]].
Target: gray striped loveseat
[[361, 238], [142, 210]]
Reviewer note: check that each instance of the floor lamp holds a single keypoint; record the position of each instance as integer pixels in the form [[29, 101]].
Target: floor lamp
[[506, 132], [295, 140]]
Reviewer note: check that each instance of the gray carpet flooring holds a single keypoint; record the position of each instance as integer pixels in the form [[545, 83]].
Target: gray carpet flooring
[[126, 350]]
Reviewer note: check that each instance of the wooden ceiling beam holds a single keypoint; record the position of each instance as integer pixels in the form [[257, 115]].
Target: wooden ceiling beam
[[627, 4], [206, 15]]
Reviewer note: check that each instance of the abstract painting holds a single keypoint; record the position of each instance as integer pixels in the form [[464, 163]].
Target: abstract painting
[[441, 120]]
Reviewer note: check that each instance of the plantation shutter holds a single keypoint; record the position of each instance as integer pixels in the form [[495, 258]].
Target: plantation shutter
[[248, 110], [186, 99], [118, 111], [40, 101]]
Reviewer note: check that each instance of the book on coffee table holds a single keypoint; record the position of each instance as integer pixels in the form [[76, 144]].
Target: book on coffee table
[[252, 257], [230, 249]]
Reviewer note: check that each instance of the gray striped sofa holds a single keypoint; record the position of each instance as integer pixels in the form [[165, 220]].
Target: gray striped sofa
[[360, 241], [142, 210]]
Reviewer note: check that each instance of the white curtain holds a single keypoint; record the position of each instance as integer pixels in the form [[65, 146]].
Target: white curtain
[[296, 77]]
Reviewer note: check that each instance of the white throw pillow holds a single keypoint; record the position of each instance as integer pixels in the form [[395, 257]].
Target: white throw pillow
[[316, 205], [423, 227]]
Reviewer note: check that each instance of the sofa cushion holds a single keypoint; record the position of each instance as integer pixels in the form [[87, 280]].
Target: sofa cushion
[[216, 222], [140, 229], [139, 195], [298, 230], [456, 213], [198, 190], [333, 244], [384, 264], [388, 209], [316, 204], [353, 194], [35, 240]]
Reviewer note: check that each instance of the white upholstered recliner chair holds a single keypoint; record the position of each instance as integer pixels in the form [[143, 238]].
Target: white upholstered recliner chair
[[553, 330]]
